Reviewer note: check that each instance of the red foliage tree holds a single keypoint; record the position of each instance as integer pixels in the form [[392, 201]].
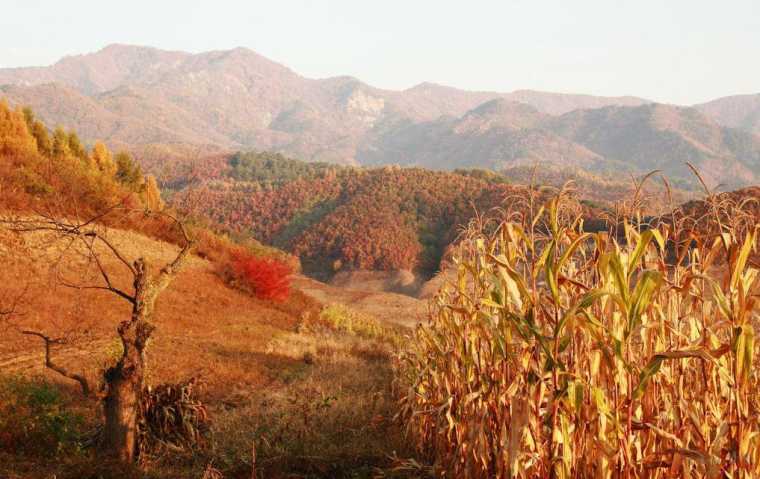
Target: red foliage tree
[[267, 278]]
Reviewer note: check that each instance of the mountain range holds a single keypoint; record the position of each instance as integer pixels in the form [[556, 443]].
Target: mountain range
[[149, 100]]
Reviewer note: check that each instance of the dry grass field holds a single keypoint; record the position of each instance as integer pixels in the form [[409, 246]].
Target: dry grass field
[[306, 382]]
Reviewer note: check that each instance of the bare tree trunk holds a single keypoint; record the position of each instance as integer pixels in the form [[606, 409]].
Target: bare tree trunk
[[120, 408], [124, 385]]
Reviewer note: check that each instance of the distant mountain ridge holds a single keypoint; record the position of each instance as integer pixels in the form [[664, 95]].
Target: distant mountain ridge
[[146, 99], [739, 111]]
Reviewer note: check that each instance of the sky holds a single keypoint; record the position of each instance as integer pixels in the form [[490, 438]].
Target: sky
[[672, 51]]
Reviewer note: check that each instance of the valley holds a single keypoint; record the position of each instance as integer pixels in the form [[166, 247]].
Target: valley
[[214, 266]]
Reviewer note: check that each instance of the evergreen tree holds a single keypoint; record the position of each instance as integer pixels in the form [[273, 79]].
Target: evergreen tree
[[103, 160], [76, 148], [60, 143], [152, 195], [40, 133], [127, 171], [15, 139]]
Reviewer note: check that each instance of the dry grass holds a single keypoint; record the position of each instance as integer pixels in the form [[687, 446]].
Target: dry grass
[[328, 415], [388, 308]]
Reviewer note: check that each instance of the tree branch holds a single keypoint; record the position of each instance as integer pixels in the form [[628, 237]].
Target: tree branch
[[171, 269], [83, 231], [113, 249], [60, 370], [109, 286], [116, 291]]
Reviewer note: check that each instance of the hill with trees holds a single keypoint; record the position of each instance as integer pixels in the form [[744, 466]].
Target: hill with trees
[[664, 137], [54, 175], [337, 218]]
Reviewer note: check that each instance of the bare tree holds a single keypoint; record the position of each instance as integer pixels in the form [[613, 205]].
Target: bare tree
[[124, 382]]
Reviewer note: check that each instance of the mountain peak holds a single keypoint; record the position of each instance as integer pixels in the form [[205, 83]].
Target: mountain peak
[[503, 113], [738, 111], [430, 87], [121, 47], [560, 103], [122, 50], [501, 106]]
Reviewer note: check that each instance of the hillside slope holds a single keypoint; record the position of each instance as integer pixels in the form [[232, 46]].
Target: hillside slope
[[252, 356], [385, 218], [71, 253]]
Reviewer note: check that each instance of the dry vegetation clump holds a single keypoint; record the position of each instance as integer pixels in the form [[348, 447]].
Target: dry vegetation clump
[[560, 353], [343, 319], [34, 415], [739, 210], [172, 419]]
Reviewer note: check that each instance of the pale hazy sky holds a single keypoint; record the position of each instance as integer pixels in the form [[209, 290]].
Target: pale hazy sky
[[667, 50]]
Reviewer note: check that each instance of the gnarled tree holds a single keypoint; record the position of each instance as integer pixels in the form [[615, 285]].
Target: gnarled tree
[[124, 382]]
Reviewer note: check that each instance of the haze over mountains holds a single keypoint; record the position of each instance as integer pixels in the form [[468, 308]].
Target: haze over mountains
[[141, 98]]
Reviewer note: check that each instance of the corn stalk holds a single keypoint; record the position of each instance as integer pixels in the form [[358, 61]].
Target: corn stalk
[[561, 353]]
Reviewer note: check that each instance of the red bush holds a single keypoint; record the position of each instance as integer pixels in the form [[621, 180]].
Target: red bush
[[267, 278]]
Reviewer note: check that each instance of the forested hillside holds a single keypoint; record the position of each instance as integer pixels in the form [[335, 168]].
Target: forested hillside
[[339, 218], [343, 218], [40, 170], [54, 175]]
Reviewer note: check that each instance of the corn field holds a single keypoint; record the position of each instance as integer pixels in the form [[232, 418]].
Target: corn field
[[562, 353]]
